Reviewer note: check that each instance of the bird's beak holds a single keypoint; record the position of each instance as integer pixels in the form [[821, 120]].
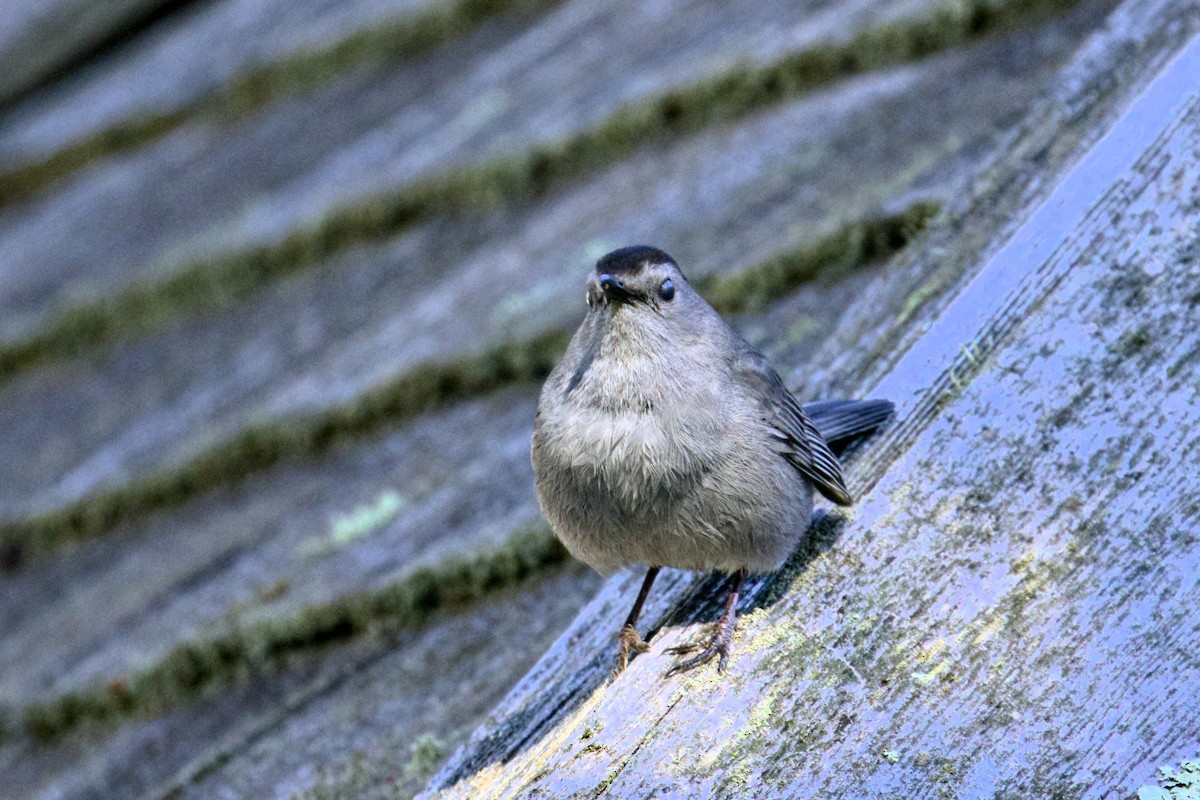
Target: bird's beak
[[615, 290]]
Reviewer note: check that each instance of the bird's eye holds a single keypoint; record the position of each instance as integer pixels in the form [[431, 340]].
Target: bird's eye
[[667, 290]]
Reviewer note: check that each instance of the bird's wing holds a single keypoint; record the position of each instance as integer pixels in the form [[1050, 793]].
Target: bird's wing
[[794, 436]]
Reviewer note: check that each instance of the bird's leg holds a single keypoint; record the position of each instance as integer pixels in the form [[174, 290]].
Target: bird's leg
[[629, 639], [718, 644]]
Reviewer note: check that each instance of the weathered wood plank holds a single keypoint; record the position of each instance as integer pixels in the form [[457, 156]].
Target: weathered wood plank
[[172, 64], [361, 519], [1010, 610], [364, 703]]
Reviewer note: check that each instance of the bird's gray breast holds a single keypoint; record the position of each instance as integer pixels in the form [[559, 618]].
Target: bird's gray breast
[[627, 466], [617, 454]]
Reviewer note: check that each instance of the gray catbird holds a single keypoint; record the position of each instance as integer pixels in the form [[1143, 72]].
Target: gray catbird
[[664, 439]]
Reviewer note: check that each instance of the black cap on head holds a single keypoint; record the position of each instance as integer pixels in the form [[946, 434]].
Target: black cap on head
[[630, 260]]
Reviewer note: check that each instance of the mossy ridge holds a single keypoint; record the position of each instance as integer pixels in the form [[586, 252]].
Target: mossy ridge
[[389, 42], [290, 438], [191, 668], [851, 246], [431, 386], [212, 284], [516, 178]]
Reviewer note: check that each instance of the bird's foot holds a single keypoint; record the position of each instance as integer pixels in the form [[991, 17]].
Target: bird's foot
[[717, 646], [699, 643], [627, 640]]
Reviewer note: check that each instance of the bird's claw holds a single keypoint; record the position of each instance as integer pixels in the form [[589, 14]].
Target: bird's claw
[[716, 647], [692, 646], [627, 640]]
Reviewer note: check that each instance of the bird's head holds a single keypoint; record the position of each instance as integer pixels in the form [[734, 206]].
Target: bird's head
[[637, 281]]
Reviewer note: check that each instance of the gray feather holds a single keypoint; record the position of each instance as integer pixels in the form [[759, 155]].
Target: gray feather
[[799, 440], [841, 420]]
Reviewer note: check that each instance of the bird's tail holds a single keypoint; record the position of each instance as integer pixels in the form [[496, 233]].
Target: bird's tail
[[838, 421]]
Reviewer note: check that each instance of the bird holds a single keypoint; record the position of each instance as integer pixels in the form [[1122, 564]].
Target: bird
[[664, 439]]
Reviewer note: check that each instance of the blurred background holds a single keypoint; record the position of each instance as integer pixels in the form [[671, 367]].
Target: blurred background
[[279, 281]]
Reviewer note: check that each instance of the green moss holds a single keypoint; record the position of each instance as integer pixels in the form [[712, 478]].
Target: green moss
[[390, 42], [519, 177], [192, 667], [20, 183], [425, 755], [850, 247], [1132, 342], [364, 520], [919, 296], [350, 782], [288, 439], [1185, 361]]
